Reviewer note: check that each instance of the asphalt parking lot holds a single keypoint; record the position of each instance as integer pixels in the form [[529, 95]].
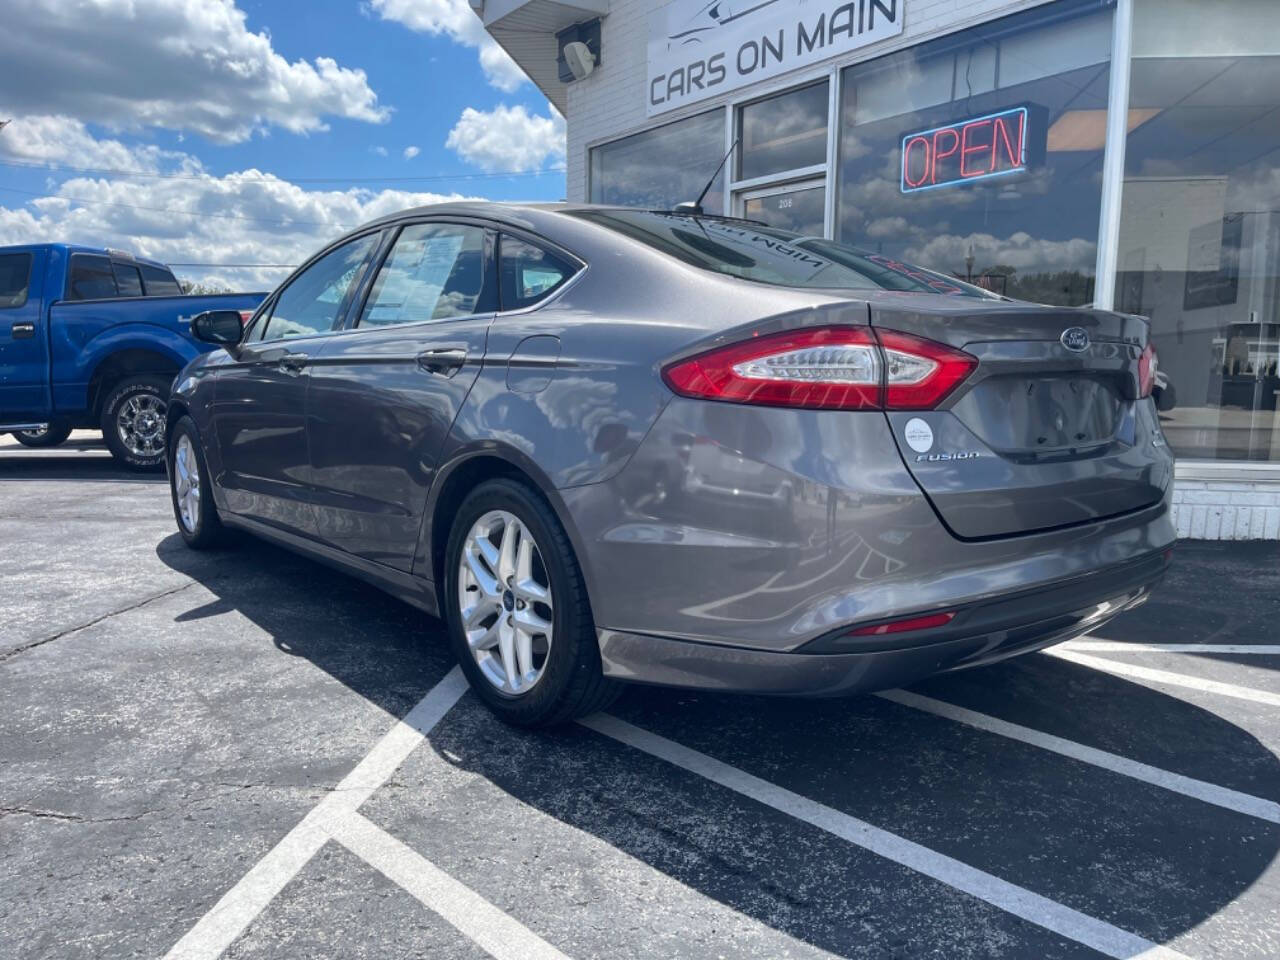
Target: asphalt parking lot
[[245, 754]]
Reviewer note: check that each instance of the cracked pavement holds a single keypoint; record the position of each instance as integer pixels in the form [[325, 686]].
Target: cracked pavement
[[167, 717]]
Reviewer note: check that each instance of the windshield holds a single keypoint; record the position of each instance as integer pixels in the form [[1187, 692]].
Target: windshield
[[751, 251]]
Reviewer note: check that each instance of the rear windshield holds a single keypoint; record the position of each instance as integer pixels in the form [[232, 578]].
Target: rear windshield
[[159, 282], [15, 277], [750, 251]]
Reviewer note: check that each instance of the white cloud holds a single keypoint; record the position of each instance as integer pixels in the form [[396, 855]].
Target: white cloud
[[508, 139], [178, 64], [411, 152], [182, 213], [456, 20], [378, 151], [1020, 250]]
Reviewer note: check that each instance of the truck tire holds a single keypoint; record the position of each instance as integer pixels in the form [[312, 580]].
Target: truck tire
[[133, 420], [52, 435]]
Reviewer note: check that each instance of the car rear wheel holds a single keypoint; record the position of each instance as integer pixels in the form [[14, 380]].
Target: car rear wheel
[[50, 435], [517, 610], [193, 506], [133, 421]]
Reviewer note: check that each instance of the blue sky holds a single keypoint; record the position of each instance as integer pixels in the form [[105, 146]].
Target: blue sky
[[231, 110]]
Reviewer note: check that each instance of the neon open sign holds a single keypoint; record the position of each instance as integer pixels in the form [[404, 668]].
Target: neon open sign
[[995, 145]]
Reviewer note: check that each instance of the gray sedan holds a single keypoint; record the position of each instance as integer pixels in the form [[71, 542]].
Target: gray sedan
[[619, 445]]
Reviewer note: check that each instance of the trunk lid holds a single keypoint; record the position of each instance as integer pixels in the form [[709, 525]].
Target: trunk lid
[[1048, 431]]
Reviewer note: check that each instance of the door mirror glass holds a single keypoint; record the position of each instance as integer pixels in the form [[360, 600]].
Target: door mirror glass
[[223, 327]]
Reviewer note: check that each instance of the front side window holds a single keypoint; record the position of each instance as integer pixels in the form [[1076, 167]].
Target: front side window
[[760, 254], [159, 282], [659, 168], [980, 155], [314, 301], [128, 280], [529, 273], [1199, 244], [15, 279], [435, 271], [91, 278]]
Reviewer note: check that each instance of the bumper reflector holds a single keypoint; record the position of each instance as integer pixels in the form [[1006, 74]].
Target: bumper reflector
[[927, 622]]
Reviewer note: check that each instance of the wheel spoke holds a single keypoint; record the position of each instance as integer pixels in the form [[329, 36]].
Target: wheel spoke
[[531, 623], [524, 653], [485, 639], [475, 613], [506, 647], [510, 543], [531, 591], [485, 580]]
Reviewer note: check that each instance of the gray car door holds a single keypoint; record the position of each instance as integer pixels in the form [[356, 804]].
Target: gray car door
[[384, 392], [259, 406]]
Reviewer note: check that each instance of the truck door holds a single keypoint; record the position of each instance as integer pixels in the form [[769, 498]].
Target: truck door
[[24, 341]]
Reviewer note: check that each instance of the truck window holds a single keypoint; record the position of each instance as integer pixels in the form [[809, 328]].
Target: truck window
[[15, 278], [91, 278], [128, 280], [159, 282]]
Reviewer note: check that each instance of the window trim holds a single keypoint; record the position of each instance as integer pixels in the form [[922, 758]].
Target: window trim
[[26, 291], [351, 322], [116, 262], [268, 306]]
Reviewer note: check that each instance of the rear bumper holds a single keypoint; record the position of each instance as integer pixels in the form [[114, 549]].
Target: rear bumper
[[982, 633]]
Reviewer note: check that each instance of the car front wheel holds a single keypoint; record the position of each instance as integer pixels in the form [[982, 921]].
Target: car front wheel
[[193, 506], [517, 611]]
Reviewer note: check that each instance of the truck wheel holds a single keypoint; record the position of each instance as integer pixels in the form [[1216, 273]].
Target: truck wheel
[[133, 420], [53, 434]]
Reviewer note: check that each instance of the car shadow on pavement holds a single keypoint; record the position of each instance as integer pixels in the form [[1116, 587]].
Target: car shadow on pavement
[[91, 463], [1146, 859]]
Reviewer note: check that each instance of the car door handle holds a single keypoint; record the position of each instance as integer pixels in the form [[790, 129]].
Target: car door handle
[[293, 363], [444, 361], [23, 330]]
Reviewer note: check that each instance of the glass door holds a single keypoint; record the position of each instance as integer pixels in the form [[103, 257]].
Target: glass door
[[799, 207]]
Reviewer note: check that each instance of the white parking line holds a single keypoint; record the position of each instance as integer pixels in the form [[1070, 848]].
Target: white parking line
[[229, 917], [1167, 677], [502, 936], [1187, 786], [1115, 646], [1017, 901]]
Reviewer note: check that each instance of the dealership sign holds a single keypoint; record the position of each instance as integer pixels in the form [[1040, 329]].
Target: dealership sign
[[701, 48], [972, 150]]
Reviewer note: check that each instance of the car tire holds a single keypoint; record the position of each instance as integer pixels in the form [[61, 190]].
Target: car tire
[[189, 488], [569, 682], [133, 421], [52, 435]]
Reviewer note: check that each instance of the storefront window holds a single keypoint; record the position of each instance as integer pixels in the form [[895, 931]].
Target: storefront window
[[662, 167], [980, 155], [1199, 246], [783, 133]]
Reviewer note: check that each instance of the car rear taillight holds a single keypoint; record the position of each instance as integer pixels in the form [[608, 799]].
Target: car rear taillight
[[1147, 365], [825, 368], [920, 373]]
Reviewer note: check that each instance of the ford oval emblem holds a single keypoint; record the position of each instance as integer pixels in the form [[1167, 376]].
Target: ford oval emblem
[[1075, 339]]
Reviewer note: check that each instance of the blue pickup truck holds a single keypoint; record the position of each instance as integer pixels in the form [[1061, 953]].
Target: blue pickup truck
[[92, 338]]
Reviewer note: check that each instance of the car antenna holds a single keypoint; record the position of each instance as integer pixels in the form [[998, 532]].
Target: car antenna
[[695, 209]]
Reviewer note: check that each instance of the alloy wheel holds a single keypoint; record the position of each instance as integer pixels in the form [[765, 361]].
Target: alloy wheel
[[505, 602], [140, 423], [186, 483]]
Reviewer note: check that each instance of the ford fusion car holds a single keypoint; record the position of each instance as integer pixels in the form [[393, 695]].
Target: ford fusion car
[[612, 445]]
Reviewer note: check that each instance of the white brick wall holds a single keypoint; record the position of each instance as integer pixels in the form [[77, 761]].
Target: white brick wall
[[610, 103], [1227, 509]]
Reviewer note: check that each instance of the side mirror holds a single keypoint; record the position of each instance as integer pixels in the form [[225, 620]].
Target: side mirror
[[223, 327]]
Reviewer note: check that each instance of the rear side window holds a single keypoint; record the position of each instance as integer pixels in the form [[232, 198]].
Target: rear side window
[[128, 279], [315, 299], [15, 278], [159, 282], [91, 278], [434, 272], [528, 273]]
